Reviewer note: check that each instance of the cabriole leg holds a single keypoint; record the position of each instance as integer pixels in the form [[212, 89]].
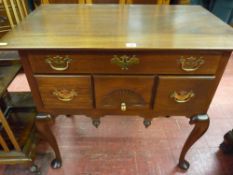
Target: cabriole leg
[[201, 123], [42, 125]]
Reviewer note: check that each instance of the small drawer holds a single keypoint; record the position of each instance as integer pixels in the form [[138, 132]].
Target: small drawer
[[183, 95], [123, 93], [65, 91], [125, 62]]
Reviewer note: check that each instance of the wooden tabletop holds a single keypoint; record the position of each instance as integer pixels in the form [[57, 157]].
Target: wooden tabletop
[[72, 26]]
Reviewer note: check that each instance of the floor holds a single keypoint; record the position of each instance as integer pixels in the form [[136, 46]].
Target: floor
[[122, 146]]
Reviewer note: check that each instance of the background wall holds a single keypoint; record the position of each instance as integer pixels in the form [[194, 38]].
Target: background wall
[[221, 8]]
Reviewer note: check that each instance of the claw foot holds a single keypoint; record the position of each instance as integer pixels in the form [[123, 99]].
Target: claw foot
[[147, 123], [184, 164], [226, 148], [96, 122], [55, 164]]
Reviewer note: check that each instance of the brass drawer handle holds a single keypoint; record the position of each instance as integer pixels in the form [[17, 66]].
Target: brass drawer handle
[[182, 96], [123, 106], [124, 61], [191, 63], [58, 63], [64, 94]]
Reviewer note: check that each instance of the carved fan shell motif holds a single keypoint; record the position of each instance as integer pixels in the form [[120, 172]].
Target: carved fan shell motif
[[116, 97]]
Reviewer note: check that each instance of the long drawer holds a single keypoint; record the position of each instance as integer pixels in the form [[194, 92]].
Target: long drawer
[[125, 62]]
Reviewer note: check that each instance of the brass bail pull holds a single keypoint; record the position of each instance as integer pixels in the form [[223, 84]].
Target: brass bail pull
[[182, 96], [123, 106], [64, 94], [191, 63], [58, 63]]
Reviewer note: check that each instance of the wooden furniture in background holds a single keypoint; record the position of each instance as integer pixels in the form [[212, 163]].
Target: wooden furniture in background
[[19, 11], [11, 13], [147, 61], [4, 22], [180, 1], [107, 1], [7, 75], [17, 113]]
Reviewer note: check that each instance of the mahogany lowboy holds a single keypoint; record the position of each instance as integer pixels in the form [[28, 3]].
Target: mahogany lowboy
[[136, 60], [158, 84]]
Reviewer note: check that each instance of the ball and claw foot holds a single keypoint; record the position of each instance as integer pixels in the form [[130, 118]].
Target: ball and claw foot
[[147, 123], [226, 148], [227, 145], [184, 165], [55, 164], [96, 122]]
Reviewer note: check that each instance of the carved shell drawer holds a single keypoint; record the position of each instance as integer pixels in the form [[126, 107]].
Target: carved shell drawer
[[123, 92]]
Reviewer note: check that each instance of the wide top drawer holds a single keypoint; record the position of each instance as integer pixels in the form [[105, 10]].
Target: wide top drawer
[[157, 62]]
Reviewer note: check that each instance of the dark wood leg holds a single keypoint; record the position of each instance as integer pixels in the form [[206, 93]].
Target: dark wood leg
[[227, 145], [43, 127], [201, 125]]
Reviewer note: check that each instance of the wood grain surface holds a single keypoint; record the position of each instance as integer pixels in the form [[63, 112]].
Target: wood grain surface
[[153, 62], [66, 26]]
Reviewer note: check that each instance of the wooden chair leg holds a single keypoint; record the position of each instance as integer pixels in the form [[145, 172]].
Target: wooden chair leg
[[43, 127], [3, 144], [201, 125], [9, 132]]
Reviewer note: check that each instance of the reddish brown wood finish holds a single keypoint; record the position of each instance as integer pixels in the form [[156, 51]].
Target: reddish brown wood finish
[[136, 27], [43, 123], [134, 91], [149, 62], [201, 123], [159, 36], [200, 86], [81, 85]]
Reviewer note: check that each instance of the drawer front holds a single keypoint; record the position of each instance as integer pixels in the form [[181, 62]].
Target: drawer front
[[123, 93], [65, 91], [183, 95], [125, 62]]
